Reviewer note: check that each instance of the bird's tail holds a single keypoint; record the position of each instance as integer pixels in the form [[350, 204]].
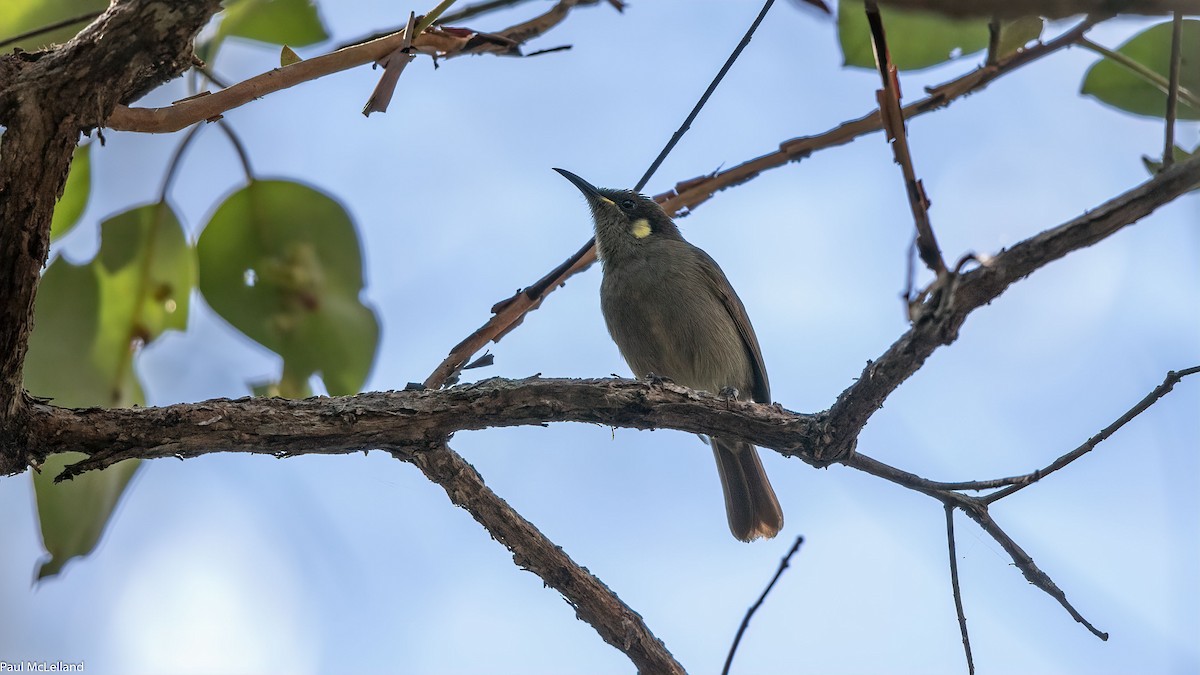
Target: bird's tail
[[750, 502]]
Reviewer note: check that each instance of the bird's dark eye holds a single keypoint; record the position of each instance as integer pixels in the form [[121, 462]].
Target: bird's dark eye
[[627, 204]]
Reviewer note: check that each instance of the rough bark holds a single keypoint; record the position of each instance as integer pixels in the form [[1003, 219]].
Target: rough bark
[[47, 99]]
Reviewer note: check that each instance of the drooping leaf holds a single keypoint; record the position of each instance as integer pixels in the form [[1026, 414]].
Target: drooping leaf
[[915, 39], [22, 16], [73, 514], [280, 22], [1121, 87], [75, 195], [89, 322], [281, 262]]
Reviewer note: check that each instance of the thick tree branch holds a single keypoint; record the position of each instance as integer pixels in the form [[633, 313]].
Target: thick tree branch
[[406, 420], [980, 286], [594, 603], [46, 99]]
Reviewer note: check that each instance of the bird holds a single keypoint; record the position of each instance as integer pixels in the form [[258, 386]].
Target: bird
[[673, 314]]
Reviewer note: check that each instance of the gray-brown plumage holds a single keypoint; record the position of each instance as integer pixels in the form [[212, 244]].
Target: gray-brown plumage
[[673, 313]]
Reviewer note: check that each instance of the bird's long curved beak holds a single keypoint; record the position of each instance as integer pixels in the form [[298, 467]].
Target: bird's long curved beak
[[588, 190]]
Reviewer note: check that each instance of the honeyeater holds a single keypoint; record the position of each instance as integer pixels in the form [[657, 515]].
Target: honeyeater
[[673, 314]]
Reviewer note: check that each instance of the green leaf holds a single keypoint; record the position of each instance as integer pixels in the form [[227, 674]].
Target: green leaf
[[292, 22], [74, 513], [146, 271], [75, 194], [915, 39], [287, 57], [281, 262], [1119, 86], [1017, 33], [1155, 165], [89, 320], [21, 16]]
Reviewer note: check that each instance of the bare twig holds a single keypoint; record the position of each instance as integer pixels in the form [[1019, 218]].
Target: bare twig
[[393, 67], [893, 123], [477, 9], [1021, 482], [1032, 573], [993, 48], [958, 604], [1168, 157], [687, 123], [783, 565], [434, 41], [508, 314], [985, 283]]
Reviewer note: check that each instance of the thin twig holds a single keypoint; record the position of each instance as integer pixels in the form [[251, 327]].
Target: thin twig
[[1032, 573], [1168, 157], [176, 160], [477, 9], [393, 67], [892, 116], [238, 147], [993, 48], [958, 604], [446, 45], [49, 27], [687, 123], [1022, 482], [507, 314], [783, 565]]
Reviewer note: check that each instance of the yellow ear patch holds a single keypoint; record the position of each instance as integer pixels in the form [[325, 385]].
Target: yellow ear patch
[[641, 228]]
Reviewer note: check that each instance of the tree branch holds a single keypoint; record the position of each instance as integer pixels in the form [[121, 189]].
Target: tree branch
[[957, 590], [1018, 483], [444, 44], [980, 286], [593, 602], [46, 99]]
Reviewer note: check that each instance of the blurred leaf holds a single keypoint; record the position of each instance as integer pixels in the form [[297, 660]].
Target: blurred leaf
[[287, 57], [21, 16], [915, 39], [89, 321], [281, 262], [292, 22], [75, 194], [1181, 155], [146, 271], [272, 388], [74, 513], [1015, 34], [1120, 87]]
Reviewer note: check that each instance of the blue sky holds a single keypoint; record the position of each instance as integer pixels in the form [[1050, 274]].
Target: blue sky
[[356, 564]]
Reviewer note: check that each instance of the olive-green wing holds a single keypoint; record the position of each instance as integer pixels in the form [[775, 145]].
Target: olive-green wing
[[737, 311]]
